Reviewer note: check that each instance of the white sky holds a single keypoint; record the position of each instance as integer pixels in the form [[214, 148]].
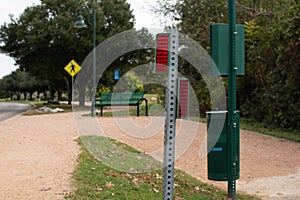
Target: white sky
[[16, 7]]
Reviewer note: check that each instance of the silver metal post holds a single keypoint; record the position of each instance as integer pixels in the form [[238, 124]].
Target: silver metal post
[[170, 123]]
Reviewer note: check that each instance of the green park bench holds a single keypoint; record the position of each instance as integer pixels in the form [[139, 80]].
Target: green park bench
[[122, 99]]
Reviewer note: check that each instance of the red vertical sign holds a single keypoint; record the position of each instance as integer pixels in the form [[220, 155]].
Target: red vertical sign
[[183, 97], [162, 53]]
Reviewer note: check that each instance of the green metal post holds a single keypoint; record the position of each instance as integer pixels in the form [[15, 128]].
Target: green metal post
[[233, 122], [93, 111]]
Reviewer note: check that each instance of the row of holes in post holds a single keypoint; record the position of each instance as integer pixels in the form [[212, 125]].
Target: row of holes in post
[[171, 113]]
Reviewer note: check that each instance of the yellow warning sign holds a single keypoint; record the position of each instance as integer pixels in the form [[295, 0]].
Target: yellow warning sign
[[72, 68]]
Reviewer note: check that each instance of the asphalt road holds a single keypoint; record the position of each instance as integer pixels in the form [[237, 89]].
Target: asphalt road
[[8, 109]]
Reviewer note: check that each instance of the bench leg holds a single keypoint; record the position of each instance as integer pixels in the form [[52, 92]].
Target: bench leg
[[138, 110], [146, 107], [101, 110]]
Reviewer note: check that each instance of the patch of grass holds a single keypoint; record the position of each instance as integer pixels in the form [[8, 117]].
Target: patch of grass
[[118, 155], [94, 180], [259, 127], [252, 125], [40, 104]]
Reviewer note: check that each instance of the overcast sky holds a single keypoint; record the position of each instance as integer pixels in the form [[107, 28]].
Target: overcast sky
[[140, 9]]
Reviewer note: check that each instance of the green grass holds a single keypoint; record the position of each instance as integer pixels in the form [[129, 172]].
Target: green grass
[[94, 180], [118, 155], [263, 128], [252, 125], [39, 104]]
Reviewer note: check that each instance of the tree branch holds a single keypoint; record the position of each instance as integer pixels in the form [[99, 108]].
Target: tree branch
[[267, 13], [252, 10], [255, 13]]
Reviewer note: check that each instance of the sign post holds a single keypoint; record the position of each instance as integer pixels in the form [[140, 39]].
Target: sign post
[[72, 68], [233, 119], [228, 54], [170, 120]]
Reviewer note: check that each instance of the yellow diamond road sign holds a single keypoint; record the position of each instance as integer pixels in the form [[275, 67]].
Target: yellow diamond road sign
[[72, 68]]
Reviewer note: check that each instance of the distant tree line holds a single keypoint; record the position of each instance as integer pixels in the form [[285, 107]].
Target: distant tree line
[[20, 83]]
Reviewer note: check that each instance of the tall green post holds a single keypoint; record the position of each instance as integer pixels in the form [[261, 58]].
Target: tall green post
[[228, 55], [233, 118]]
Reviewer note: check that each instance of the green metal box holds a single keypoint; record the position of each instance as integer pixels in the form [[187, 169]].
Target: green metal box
[[219, 49], [217, 146]]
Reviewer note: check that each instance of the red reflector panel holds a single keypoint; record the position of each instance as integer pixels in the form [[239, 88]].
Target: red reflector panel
[[162, 53], [183, 98]]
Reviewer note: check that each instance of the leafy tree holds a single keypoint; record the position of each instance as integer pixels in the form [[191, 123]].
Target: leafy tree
[[273, 69], [269, 91], [130, 82], [43, 40], [138, 41], [20, 82]]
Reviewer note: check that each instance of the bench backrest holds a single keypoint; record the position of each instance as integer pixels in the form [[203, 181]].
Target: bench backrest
[[121, 98]]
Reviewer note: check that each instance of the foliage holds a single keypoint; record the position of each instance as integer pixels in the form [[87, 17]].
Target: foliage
[[117, 56], [261, 127], [269, 91], [271, 86], [129, 82], [43, 39], [20, 82]]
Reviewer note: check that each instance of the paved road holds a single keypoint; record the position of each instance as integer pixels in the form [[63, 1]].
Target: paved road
[[8, 109]]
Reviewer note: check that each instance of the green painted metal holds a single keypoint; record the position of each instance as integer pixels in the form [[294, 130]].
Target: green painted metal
[[80, 22], [217, 146], [93, 108], [233, 119], [219, 36], [228, 55]]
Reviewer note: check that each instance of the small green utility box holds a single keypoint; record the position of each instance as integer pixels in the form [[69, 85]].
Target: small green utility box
[[219, 49], [217, 146]]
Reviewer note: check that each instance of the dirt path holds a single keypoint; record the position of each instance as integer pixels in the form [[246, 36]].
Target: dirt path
[[270, 167], [38, 155]]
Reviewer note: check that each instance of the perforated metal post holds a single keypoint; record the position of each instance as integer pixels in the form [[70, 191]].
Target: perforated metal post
[[233, 120], [170, 123]]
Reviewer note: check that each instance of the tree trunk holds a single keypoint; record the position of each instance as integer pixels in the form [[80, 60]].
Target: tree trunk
[[81, 96], [69, 86], [59, 95]]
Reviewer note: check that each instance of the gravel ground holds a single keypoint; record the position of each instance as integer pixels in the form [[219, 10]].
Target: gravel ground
[[38, 154]]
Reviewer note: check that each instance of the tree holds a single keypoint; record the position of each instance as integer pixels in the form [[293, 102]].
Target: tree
[[125, 51], [273, 70], [21, 82], [269, 91], [43, 40]]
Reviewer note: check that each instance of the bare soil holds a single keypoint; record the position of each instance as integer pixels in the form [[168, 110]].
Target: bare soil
[[38, 155]]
